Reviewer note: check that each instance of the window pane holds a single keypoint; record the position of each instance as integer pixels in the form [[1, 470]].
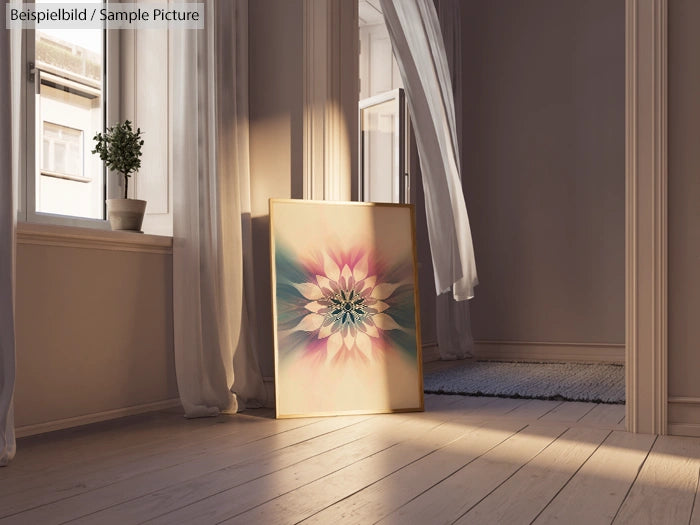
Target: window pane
[[380, 172], [69, 108], [63, 150]]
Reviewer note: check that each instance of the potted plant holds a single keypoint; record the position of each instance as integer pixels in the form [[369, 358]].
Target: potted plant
[[120, 148]]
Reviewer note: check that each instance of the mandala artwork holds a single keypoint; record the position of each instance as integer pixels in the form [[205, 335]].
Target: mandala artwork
[[346, 330]]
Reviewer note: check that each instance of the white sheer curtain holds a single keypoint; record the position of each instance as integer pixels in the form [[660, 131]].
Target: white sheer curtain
[[215, 352], [453, 319], [420, 53], [9, 147]]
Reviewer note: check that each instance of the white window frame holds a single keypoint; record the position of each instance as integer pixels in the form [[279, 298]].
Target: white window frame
[[28, 168], [400, 178]]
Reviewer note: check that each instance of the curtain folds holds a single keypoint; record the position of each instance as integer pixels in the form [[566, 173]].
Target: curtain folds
[[420, 53], [9, 168], [453, 319], [215, 349]]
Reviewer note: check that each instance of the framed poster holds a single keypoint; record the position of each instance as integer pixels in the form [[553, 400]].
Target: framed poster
[[345, 308]]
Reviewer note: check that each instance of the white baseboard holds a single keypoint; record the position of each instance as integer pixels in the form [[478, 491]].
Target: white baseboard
[[683, 416], [540, 351], [60, 424], [684, 429], [431, 352]]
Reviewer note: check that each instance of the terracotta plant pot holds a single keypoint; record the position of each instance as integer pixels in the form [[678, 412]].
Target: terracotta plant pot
[[126, 214]]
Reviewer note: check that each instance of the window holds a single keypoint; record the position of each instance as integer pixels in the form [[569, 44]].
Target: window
[[62, 152], [383, 176], [384, 119], [65, 106]]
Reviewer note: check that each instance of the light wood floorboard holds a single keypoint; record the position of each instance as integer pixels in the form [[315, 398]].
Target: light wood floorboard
[[464, 460], [525, 494], [251, 502], [446, 501], [695, 516], [604, 480], [316, 454], [396, 489], [64, 500], [608, 416], [534, 409], [664, 491], [569, 412]]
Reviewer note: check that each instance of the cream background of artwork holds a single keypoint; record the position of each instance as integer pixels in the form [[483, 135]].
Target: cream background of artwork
[[393, 383], [339, 226]]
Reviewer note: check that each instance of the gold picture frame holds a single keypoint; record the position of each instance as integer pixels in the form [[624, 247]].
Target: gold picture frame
[[345, 302]]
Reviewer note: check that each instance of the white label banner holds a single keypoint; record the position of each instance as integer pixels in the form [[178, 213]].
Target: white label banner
[[104, 15]]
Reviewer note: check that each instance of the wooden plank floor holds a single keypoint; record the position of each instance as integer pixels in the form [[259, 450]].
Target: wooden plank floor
[[464, 460]]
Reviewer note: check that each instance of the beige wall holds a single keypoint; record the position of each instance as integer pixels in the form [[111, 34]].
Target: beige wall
[[684, 215], [542, 82], [276, 131], [94, 333], [544, 169]]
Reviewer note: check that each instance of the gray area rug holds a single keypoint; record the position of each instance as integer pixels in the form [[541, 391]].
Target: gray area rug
[[600, 383]]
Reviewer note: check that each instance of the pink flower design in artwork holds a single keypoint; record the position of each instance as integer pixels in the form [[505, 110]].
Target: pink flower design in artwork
[[349, 308]]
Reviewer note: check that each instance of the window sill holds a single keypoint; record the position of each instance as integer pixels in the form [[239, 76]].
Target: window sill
[[65, 176], [76, 237]]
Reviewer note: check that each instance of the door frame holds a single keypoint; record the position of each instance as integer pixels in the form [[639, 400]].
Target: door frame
[[646, 381]]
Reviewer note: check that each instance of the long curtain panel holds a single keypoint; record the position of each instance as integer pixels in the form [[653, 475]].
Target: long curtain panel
[[9, 147], [417, 43], [453, 318], [215, 352]]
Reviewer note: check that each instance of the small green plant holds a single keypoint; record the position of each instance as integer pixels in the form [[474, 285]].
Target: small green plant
[[120, 148]]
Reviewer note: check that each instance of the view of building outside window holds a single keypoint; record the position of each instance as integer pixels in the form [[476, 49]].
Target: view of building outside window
[[69, 111], [61, 150]]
